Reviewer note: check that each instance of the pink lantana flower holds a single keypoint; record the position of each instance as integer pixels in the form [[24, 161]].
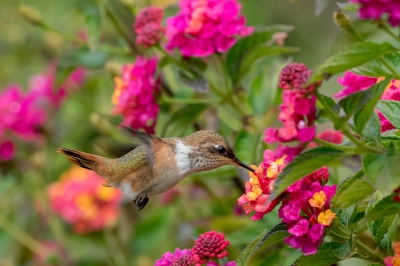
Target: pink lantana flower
[[80, 198], [134, 94], [148, 26], [374, 9], [204, 27], [179, 257]]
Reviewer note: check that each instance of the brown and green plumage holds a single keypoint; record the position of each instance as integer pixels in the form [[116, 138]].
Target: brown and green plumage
[[158, 164]]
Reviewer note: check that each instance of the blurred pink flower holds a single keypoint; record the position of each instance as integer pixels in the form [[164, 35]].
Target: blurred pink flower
[[328, 135], [179, 257], [148, 26], [6, 150], [80, 198], [204, 27], [53, 250], [134, 94], [374, 9]]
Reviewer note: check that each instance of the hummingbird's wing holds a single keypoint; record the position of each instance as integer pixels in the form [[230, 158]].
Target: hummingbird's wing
[[151, 142]]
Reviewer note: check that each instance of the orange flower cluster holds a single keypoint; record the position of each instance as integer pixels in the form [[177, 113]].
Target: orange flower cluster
[[80, 198]]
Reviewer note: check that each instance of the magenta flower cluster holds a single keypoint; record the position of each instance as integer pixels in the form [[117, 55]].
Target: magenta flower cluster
[[374, 9], [204, 27], [298, 108], [134, 94], [209, 246], [305, 210], [148, 27], [354, 83], [23, 114]]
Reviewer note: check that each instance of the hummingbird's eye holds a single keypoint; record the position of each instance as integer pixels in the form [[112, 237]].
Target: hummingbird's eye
[[221, 150]]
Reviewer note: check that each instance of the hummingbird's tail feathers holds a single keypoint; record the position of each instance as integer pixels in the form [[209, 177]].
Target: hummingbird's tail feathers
[[82, 159]]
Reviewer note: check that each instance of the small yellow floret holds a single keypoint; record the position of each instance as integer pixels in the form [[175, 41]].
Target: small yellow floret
[[318, 200], [105, 193], [326, 217], [253, 195]]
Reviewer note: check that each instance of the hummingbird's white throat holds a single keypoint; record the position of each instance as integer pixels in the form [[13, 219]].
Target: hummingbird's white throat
[[182, 157]]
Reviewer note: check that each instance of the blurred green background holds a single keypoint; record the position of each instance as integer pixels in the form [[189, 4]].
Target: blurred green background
[[204, 202]]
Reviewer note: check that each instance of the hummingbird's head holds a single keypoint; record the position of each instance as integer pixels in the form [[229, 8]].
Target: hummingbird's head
[[210, 150]]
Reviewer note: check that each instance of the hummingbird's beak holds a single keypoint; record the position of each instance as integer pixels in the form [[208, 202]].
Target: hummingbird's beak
[[242, 164]]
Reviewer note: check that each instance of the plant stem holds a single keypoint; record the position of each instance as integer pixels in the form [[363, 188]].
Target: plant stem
[[391, 69], [190, 100], [22, 237], [332, 145], [368, 251], [100, 47]]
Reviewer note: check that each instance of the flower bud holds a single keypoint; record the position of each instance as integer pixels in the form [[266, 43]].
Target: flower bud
[[114, 68], [31, 14], [342, 20]]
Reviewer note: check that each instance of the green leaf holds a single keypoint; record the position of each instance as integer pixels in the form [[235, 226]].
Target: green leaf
[[265, 239], [83, 57], [384, 169], [381, 227], [194, 79], [302, 165], [352, 190], [351, 7], [229, 119], [352, 56], [368, 101], [261, 51], [376, 264], [376, 68], [390, 110], [92, 25], [244, 145], [242, 46], [380, 206], [372, 130], [362, 103], [386, 243], [328, 253], [179, 121], [347, 216], [277, 233]]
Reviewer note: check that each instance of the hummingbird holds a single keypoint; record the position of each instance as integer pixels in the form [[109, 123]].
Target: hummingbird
[[158, 164]]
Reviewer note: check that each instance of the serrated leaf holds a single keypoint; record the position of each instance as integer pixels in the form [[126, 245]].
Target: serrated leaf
[[380, 206], [381, 227], [390, 110], [386, 243], [362, 103], [371, 96], [261, 51], [302, 165], [179, 121], [327, 254], [376, 68], [352, 190], [372, 130], [194, 79], [242, 46], [351, 56], [348, 215], [384, 169], [265, 239]]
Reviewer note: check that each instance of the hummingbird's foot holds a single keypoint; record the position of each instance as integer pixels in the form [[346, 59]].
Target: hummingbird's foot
[[141, 200]]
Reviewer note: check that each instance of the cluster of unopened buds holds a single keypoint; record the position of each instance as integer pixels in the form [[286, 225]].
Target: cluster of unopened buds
[[209, 247], [148, 27]]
